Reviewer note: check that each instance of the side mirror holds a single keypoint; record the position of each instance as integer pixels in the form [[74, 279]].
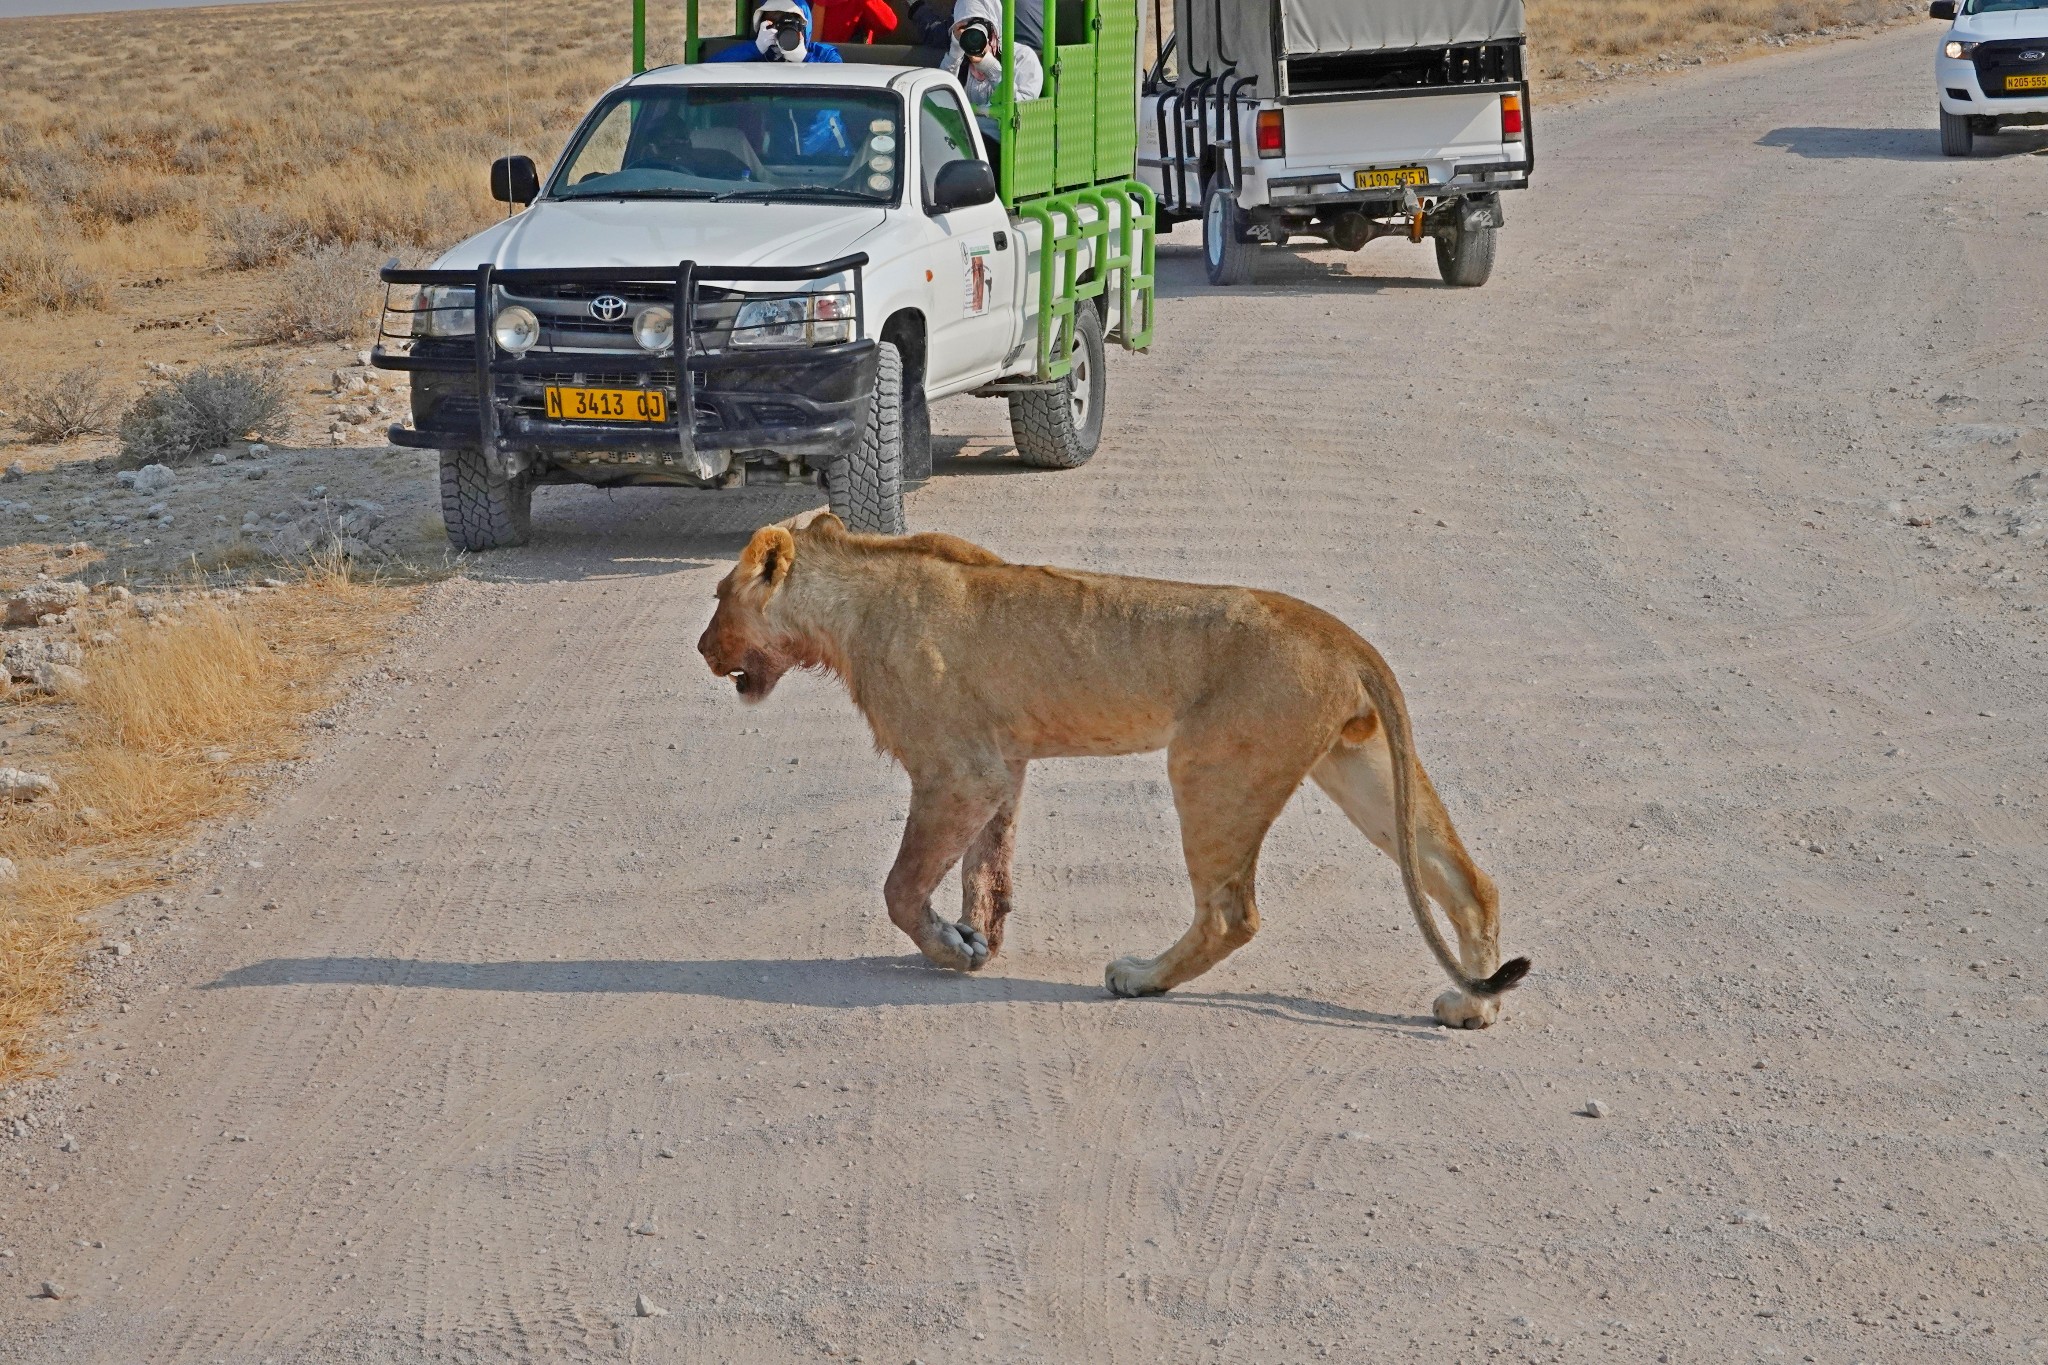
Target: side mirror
[[1942, 9], [962, 185], [514, 180]]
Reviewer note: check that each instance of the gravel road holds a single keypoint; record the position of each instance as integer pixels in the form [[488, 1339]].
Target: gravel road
[[1704, 542]]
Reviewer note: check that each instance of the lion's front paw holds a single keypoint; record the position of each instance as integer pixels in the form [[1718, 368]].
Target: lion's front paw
[[1456, 1009], [1131, 976], [960, 947]]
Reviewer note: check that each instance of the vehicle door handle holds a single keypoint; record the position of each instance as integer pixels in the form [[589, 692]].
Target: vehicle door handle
[[1002, 241]]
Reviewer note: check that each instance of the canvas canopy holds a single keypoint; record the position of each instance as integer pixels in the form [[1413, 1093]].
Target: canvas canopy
[[1217, 33]]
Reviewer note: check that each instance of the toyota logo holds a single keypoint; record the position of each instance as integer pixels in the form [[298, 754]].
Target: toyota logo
[[608, 308], [2032, 55]]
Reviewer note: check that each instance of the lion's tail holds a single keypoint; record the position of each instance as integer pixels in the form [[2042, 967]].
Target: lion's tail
[[1386, 698]]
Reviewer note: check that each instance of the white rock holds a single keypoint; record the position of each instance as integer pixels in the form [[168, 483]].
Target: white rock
[[258, 449], [52, 597], [218, 457], [9, 873], [57, 679], [16, 784], [22, 657], [154, 477], [1595, 1109], [648, 1308], [52, 1290]]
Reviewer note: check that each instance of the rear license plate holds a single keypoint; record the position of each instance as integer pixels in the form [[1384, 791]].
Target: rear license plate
[[1388, 180], [607, 405], [2026, 82]]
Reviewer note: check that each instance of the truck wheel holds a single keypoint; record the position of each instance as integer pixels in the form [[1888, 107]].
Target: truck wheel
[[480, 510], [1464, 256], [1059, 427], [1956, 134], [864, 480], [1224, 247]]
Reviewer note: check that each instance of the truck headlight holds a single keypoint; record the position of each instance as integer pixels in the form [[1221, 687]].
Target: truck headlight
[[1955, 49], [823, 316], [515, 329], [442, 310], [655, 329]]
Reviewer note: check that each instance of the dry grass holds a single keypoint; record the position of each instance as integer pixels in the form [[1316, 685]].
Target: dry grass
[[135, 142], [172, 730], [1638, 30]]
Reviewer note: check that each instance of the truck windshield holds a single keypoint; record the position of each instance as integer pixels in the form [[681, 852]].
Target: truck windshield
[[737, 142], [1997, 6]]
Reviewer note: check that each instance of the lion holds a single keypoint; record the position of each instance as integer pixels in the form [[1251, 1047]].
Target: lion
[[968, 667]]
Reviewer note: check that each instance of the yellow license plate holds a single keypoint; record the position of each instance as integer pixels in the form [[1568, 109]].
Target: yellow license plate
[[607, 405], [1394, 179], [2026, 82]]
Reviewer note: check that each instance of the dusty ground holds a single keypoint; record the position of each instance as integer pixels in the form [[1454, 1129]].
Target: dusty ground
[[557, 942]]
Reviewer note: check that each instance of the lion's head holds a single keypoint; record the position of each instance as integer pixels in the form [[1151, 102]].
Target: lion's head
[[747, 640]]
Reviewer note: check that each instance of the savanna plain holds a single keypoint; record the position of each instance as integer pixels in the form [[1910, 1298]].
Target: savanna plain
[[424, 961]]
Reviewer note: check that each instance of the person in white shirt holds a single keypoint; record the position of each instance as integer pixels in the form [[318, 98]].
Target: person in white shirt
[[976, 60]]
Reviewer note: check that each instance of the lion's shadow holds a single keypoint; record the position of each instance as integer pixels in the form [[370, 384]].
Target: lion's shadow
[[825, 983]]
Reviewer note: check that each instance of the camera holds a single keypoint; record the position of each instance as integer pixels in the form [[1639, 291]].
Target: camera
[[789, 31], [974, 37]]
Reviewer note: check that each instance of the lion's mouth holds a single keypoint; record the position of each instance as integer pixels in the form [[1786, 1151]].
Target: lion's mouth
[[742, 681]]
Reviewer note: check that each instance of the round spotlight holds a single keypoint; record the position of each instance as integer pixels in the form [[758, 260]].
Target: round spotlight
[[515, 329], [1953, 49], [655, 330]]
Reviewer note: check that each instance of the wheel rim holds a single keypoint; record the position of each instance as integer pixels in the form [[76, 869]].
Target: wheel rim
[[1216, 226], [1079, 382]]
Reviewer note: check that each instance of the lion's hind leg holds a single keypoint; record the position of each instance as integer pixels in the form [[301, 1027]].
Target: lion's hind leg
[[1225, 812], [1358, 775]]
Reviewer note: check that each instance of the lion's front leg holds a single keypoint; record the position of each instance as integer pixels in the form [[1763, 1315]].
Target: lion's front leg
[[945, 815], [985, 875]]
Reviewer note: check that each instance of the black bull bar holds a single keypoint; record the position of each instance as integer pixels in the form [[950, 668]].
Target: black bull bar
[[686, 364]]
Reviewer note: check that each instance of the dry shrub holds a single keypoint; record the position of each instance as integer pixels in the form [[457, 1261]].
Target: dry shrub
[[197, 411], [162, 707], [45, 275], [326, 294], [75, 403], [248, 236]]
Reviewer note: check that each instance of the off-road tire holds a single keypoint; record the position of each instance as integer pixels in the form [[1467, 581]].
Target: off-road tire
[[1225, 249], [1464, 256], [917, 436], [1958, 134], [1059, 427], [864, 479], [481, 510]]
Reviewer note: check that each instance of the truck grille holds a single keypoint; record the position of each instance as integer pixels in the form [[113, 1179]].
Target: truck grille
[[1997, 60], [1419, 68]]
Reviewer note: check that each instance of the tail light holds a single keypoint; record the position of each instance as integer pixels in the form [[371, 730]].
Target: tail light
[[1272, 133], [1510, 118]]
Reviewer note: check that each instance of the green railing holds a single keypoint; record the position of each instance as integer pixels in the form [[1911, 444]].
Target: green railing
[[1073, 149]]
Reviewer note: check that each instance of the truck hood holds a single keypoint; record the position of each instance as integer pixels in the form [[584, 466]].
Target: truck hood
[[643, 232], [2011, 23]]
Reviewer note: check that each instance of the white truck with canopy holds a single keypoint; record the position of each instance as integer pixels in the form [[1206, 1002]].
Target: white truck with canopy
[[1339, 120]]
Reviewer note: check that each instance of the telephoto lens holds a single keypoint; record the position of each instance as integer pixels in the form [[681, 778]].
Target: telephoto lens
[[974, 39], [789, 33]]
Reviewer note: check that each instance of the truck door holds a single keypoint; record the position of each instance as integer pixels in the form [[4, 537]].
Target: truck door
[[973, 257]]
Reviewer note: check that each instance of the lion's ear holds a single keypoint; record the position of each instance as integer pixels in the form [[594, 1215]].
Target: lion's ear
[[769, 555], [825, 524]]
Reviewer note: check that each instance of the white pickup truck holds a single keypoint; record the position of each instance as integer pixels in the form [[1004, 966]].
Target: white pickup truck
[[756, 273], [1342, 121]]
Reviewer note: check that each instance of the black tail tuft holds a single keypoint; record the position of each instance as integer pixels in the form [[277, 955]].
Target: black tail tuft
[[1506, 979]]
